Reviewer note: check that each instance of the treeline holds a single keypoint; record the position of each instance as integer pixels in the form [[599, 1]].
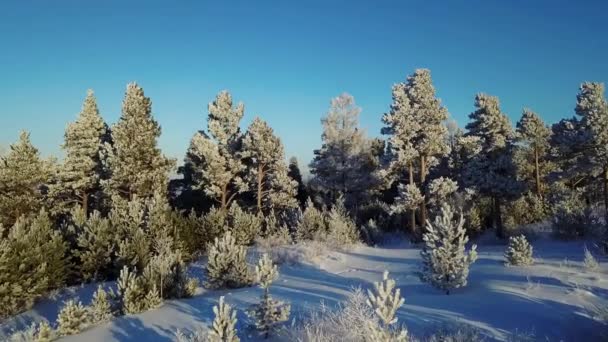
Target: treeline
[[110, 204]]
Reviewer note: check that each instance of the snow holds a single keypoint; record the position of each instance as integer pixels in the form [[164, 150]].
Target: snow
[[551, 298]]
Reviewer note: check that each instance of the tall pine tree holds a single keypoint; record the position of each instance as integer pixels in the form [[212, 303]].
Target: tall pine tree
[[344, 164], [213, 161], [492, 171], [431, 139], [137, 165], [267, 172], [592, 108], [533, 136], [23, 180], [83, 169]]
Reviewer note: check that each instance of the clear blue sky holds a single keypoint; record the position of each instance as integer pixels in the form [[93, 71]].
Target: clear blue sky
[[286, 59]]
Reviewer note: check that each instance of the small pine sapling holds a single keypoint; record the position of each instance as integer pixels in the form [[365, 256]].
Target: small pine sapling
[[223, 326], [269, 312], [444, 257], [101, 308], [385, 300], [227, 266], [519, 252], [44, 332], [72, 318], [590, 262]]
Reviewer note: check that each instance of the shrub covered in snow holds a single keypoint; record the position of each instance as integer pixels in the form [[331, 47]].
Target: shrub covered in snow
[[245, 227], [519, 252], [267, 314], [227, 266], [444, 257], [72, 318], [342, 231]]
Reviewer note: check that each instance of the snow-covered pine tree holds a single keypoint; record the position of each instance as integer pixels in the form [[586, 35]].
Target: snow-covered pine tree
[[212, 162], [128, 218], [345, 164], [409, 198], [296, 175], [519, 252], [23, 176], [153, 299], [96, 248], [533, 138], [227, 266], [72, 318], [445, 260], [131, 296], [342, 230], [83, 168], [401, 127], [264, 156], [311, 223], [592, 108], [441, 189], [44, 332], [101, 307], [245, 227], [385, 300], [269, 312], [136, 163], [491, 171], [431, 140], [33, 260], [223, 326], [590, 262]]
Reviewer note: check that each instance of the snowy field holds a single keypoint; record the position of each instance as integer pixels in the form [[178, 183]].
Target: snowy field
[[550, 299]]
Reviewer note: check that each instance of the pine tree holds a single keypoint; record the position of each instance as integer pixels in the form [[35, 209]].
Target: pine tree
[[101, 308], [402, 127], [342, 230], [492, 171], [311, 223], [265, 159], [444, 257], [344, 165], [269, 312], [96, 248], [72, 318], [223, 326], [592, 108], [296, 175], [136, 163], [32, 262], [128, 218], [534, 135], [131, 295], [23, 177], [227, 266], [44, 332], [432, 135], [385, 301], [212, 161], [519, 252], [590, 262], [245, 227], [83, 169]]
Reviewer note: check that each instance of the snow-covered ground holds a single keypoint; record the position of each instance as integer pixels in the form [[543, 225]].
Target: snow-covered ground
[[551, 298]]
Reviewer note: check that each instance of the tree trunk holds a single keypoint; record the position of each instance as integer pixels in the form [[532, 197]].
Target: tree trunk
[[85, 203], [224, 196], [260, 182], [422, 191], [498, 219], [537, 170], [413, 211]]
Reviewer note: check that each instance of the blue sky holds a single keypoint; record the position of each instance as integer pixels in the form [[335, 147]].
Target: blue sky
[[286, 59]]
